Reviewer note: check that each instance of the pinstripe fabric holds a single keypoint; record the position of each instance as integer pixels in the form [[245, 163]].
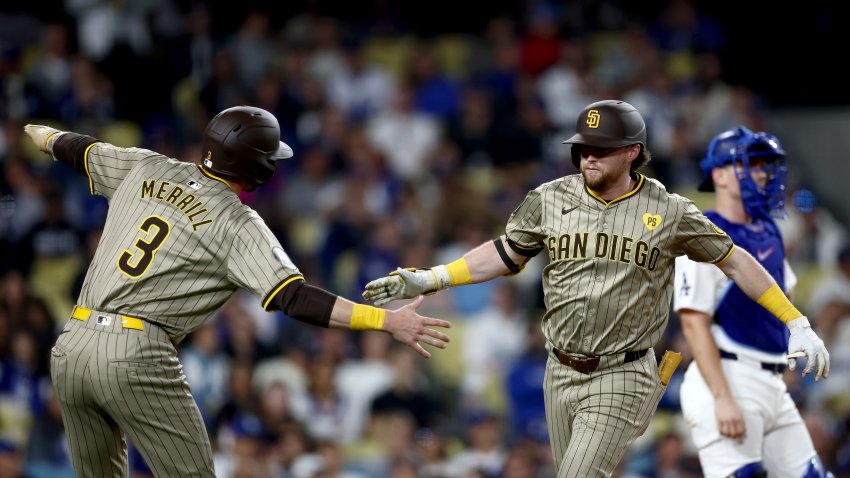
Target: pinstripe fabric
[[110, 379], [607, 290], [176, 244], [199, 264]]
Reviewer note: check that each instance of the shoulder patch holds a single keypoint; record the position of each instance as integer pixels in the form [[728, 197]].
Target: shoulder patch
[[282, 257]]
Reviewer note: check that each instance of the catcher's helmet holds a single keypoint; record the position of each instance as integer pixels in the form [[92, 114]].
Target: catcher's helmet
[[242, 144], [608, 124], [741, 145]]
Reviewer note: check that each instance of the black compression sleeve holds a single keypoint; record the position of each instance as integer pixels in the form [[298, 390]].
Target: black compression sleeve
[[307, 303], [504, 255], [70, 148]]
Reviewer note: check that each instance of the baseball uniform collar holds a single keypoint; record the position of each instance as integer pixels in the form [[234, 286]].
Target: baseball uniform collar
[[210, 175], [639, 180]]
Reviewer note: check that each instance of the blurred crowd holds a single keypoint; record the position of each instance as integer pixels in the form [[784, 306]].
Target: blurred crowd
[[409, 150]]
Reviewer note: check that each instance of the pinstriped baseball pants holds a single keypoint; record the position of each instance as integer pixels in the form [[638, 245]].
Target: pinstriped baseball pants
[[112, 380], [593, 418]]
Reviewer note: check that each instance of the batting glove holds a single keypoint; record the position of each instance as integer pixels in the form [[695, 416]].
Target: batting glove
[[401, 284], [804, 342], [42, 136]]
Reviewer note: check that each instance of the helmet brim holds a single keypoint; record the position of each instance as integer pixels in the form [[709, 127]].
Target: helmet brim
[[599, 141], [283, 152]]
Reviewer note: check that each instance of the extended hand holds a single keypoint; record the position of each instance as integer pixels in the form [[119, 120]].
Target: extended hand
[[39, 135], [401, 284], [408, 327], [804, 342]]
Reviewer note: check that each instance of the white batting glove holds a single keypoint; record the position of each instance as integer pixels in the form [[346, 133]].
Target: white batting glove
[[401, 284], [40, 135], [804, 342]]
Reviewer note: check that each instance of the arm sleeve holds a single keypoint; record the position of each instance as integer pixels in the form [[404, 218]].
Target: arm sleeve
[[71, 148], [306, 303], [697, 286], [698, 238], [524, 231]]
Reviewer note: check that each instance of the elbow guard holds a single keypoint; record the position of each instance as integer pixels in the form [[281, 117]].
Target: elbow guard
[[307, 303]]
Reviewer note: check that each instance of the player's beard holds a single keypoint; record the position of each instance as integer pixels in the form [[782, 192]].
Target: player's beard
[[601, 180]]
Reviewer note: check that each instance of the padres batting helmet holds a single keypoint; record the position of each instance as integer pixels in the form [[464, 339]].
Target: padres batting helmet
[[740, 145], [609, 124], [242, 144]]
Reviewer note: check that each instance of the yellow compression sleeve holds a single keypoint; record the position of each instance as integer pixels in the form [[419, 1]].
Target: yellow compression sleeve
[[777, 303], [366, 317]]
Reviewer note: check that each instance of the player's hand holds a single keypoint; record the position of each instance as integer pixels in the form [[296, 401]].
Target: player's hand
[[39, 135], [730, 420], [401, 284], [412, 329], [804, 342]]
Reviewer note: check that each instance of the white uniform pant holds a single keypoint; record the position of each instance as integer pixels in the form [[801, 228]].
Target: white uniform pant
[[775, 432]]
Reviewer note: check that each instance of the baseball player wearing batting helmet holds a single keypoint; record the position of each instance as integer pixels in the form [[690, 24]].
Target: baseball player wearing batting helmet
[[742, 418], [612, 236], [176, 245]]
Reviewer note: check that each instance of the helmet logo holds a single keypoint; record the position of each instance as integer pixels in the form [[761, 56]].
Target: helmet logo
[[208, 159], [593, 119]]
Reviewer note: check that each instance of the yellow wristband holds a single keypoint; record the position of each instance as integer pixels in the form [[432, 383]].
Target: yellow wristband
[[366, 317], [459, 272], [775, 301]]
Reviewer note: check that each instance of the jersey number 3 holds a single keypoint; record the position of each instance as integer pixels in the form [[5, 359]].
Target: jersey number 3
[[135, 263]]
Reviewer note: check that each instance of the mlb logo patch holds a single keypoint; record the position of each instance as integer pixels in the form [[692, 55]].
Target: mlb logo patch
[[193, 184], [103, 320]]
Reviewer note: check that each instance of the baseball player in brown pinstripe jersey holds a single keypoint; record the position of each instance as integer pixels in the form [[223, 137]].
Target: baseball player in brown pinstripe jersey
[[612, 236], [176, 244]]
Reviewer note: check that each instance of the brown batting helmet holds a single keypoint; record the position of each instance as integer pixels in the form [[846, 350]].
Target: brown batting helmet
[[608, 124], [242, 144]]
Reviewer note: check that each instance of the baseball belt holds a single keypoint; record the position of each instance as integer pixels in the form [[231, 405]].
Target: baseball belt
[[83, 314], [588, 363], [770, 367]]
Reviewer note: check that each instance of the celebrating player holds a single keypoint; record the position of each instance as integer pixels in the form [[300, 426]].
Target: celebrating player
[[612, 235], [176, 244], [742, 418]]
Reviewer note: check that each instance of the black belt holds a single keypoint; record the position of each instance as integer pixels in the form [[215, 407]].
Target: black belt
[[770, 367], [588, 363]]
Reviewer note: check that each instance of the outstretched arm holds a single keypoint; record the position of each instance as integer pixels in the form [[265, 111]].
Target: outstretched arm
[[314, 305], [757, 283], [485, 262]]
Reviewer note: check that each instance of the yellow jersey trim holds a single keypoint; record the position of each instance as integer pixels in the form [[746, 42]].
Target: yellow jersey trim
[[209, 174], [722, 259], [86, 166], [278, 289], [640, 181]]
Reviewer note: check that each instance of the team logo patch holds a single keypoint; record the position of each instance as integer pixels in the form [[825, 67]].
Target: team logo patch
[[593, 119], [193, 184], [717, 229], [282, 257], [104, 320], [651, 221]]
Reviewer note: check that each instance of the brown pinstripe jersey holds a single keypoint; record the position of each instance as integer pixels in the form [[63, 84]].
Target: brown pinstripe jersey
[[608, 285], [177, 241]]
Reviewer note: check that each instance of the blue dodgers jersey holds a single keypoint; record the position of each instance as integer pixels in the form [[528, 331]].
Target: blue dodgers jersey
[[744, 320]]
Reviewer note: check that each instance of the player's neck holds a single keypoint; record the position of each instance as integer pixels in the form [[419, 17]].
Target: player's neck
[[618, 189], [732, 209]]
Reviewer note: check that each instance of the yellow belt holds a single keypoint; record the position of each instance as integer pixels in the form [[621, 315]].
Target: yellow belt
[[82, 313]]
